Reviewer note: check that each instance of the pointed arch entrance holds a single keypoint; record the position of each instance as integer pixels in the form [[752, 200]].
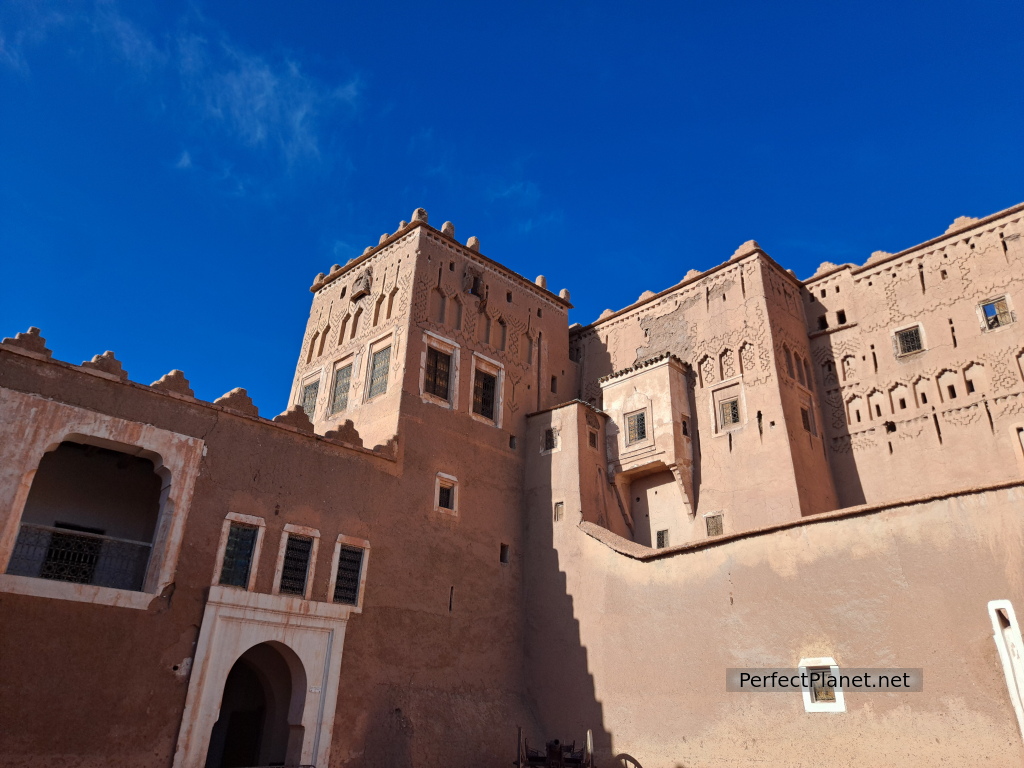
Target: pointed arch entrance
[[260, 721]]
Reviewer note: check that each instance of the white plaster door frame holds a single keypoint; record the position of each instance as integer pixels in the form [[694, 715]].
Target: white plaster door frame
[[236, 620]]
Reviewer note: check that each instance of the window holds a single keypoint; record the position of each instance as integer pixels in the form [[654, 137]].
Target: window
[[805, 417], [296, 559], [841, 316], [662, 539], [436, 377], [592, 438], [550, 440], [997, 313], [484, 387], [379, 372], [342, 384], [239, 555], [554, 384], [446, 494], [503, 554], [729, 412], [559, 510], [349, 574], [715, 524], [908, 341], [789, 363], [636, 427], [823, 322], [309, 395], [823, 693]]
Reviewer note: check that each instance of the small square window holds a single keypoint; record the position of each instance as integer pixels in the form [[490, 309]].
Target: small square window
[[970, 386], [997, 313], [715, 525], [559, 510], [636, 427], [550, 439], [908, 341], [729, 411], [662, 539]]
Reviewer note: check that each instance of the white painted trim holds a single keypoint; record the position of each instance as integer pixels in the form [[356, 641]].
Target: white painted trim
[[1010, 648], [839, 705], [496, 369], [448, 347], [350, 541], [298, 530], [84, 593], [449, 481], [261, 528]]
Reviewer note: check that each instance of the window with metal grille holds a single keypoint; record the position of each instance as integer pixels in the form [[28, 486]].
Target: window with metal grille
[[550, 439], [295, 569], [908, 341], [446, 496], [822, 690], [592, 439], [342, 383], [729, 410], [559, 510], [436, 377], [662, 539], [636, 427], [346, 585], [238, 554], [379, 372], [309, 395], [714, 525], [805, 417], [483, 394], [997, 313]]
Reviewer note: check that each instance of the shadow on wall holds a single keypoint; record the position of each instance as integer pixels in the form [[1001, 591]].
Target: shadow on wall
[[559, 682], [833, 369]]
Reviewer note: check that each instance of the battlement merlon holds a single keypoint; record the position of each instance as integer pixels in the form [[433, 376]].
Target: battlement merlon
[[447, 234]]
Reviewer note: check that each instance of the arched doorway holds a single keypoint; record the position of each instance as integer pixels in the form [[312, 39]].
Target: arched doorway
[[260, 721]]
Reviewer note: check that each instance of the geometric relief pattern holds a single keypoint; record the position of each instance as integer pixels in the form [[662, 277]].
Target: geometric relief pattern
[[728, 364], [747, 358], [707, 370]]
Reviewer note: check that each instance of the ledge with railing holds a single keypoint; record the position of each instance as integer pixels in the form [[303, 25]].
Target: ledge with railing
[[63, 554]]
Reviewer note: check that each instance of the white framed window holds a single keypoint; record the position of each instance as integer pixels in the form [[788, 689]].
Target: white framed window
[[636, 427], [309, 393], [995, 313], [295, 560], [348, 571], [378, 368], [487, 386], [238, 556], [907, 341], [446, 494], [341, 387], [439, 371], [728, 411], [1010, 647], [550, 441], [823, 694]]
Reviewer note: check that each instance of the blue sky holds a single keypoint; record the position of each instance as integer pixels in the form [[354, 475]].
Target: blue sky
[[173, 175]]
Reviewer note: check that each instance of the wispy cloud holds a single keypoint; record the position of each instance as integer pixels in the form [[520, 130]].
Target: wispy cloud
[[23, 25], [184, 161]]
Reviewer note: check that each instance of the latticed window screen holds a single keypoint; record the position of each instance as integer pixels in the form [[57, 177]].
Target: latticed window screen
[[342, 384], [483, 394], [379, 372], [550, 439], [730, 412], [346, 585], [805, 417], [446, 497], [715, 525], [296, 565], [662, 539], [821, 691], [636, 427], [238, 554], [592, 439], [997, 314], [559, 510], [908, 341], [309, 395], [438, 373]]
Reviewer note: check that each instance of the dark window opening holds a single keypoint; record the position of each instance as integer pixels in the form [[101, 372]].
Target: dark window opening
[[662, 539], [924, 399], [554, 384], [841, 317], [503, 554], [952, 391], [484, 388], [908, 341], [446, 497], [238, 555], [890, 426], [592, 439], [823, 292], [686, 428], [350, 566], [508, 297], [970, 387], [511, 441], [903, 404], [550, 439], [805, 417], [822, 322], [436, 377], [90, 518], [295, 569], [878, 410]]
